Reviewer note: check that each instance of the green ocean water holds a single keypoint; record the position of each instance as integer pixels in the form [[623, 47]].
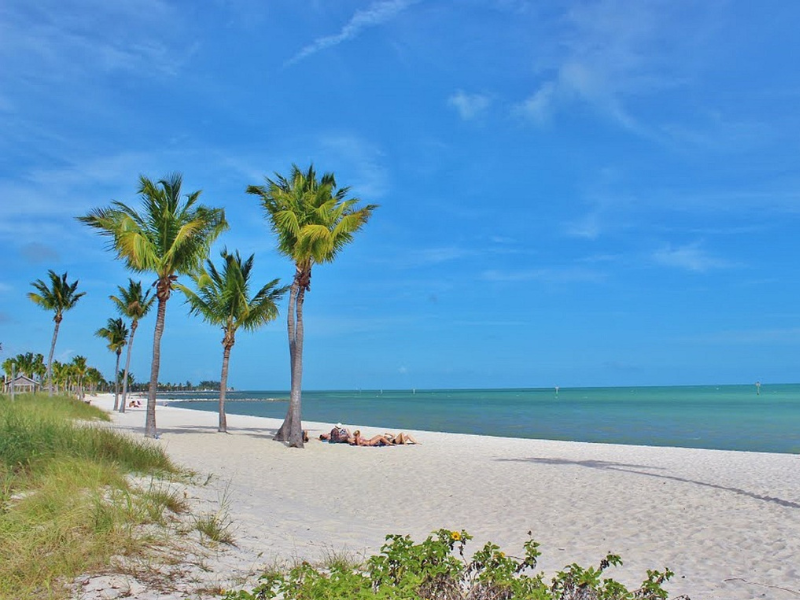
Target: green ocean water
[[725, 417]]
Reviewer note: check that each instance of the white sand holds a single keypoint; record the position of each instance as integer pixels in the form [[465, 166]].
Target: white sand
[[727, 523]]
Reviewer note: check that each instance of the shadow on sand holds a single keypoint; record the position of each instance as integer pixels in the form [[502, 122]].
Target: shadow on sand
[[637, 469]]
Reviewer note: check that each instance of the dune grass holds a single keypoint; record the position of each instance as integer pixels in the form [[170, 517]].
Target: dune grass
[[66, 504]]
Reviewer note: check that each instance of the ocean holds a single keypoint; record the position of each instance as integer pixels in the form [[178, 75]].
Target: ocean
[[724, 417]]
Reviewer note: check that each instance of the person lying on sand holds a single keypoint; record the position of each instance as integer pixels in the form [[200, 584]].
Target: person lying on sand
[[338, 435], [378, 440], [400, 439]]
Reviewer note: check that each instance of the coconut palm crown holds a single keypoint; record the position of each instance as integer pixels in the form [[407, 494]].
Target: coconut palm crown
[[59, 297], [313, 220], [223, 298], [169, 236]]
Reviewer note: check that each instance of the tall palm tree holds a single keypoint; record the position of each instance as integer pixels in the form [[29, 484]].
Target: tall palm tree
[[313, 220], [116, 334], [60, 297], [223, 298], [168, 237], [134, 304]]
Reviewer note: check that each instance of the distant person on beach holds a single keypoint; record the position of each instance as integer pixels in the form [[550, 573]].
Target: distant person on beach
[[758, 388]]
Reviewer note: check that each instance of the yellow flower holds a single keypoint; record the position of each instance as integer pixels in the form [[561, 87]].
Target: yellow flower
[[502, 554], [455, 535]]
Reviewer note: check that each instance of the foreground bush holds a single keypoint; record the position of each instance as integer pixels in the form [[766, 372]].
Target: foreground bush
[[66, 505], [437, 569]]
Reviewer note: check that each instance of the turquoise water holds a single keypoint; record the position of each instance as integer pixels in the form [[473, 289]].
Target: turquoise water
[[730, 417]]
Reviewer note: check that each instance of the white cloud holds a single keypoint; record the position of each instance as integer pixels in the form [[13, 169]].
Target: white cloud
[[611, 52], [690, 257], [469, 106], [376, 14]]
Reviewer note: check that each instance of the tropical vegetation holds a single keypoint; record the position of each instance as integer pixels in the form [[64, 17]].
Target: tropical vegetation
[[58, 297], [169, 237], [313, 221], [116, 334], [438, 569], [134, 304], [223, 298]]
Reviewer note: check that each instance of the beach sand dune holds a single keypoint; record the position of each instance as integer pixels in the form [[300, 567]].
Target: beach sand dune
[[727, 523]]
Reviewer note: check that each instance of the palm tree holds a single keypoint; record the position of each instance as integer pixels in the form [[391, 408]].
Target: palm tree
[[26, 364], [10, 367], [116, 334], [223, 298], [313, 221], [131, 303], [169, 238], [59, 298], [94, 378], [79, 368], [61, 377]]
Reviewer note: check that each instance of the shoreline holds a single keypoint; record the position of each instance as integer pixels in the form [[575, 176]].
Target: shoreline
[[726, 522]]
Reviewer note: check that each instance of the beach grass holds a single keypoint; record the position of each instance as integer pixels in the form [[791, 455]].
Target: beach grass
[[67, 504]]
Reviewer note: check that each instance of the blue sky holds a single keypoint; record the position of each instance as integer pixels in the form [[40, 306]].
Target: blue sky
[[571, 193]]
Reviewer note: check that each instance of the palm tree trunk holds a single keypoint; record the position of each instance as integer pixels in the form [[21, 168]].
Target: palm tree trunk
[[150, 419], [282, 434], [295, 423], [116, 382], [134, 325], [227, 344], [50, 359]]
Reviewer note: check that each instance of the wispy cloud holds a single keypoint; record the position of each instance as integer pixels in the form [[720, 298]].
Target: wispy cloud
[[49, 42], [611, 52], [691, 257], [790, 335], [546, 275], [469, 106], [376, 14], [363, 158], [435, 256]]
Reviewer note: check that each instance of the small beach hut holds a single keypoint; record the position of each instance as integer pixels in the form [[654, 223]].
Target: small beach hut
[[21, 384]]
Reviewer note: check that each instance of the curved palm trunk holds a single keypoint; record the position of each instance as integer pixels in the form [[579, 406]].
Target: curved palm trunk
[[227, 344], [116, 381], [150, 419], [291, 429], [57, 319], [134, 325]]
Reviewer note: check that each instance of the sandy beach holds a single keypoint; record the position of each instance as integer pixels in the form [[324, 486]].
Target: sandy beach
[[727, 523]]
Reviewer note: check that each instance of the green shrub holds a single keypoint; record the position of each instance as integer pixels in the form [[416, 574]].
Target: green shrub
[[437, 569]]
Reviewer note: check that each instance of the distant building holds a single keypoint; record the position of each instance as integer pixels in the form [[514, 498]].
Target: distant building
[[22, 384]]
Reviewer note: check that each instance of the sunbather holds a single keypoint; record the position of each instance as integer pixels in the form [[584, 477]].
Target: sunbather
[[400, 439], [338, 435], [378, 440]]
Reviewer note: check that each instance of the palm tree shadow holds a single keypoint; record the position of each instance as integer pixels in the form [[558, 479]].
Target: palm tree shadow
[[637, 469], [255, 432]]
